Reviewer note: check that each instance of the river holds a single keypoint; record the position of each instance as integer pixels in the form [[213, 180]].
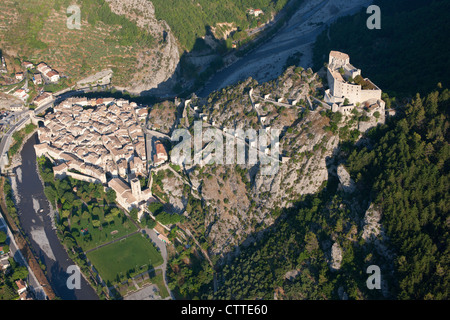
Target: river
[[263, 63], [36, 217], [266, 62]]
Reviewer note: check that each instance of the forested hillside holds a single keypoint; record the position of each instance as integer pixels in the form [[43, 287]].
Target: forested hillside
[[408, 54], [189, 19], [401, 171], [407, 175]]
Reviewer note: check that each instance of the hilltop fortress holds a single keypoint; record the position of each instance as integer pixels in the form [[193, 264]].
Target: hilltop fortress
[[347, 88]]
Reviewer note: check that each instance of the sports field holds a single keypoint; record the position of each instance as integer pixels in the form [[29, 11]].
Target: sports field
[[132, 255]]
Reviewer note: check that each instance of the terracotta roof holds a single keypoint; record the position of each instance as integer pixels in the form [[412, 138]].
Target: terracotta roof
[[20, 284], [60, 167], [52, 73], [43, 96], [160, 148]]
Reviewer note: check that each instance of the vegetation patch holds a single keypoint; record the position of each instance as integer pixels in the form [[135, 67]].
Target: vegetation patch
[[125, 258], [18, 137]]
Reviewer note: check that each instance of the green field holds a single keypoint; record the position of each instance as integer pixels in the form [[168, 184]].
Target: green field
[[125, 258], [119, 227]]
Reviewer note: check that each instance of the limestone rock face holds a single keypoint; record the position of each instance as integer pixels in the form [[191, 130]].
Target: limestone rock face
[[156, 67], [336, 257], [374, 233], [346, 182], [372, 226]]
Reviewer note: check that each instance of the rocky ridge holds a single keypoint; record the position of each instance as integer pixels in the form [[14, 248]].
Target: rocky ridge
[[156, 67]]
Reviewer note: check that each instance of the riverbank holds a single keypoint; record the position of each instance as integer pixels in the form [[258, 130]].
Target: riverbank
[[24, 134], [297, 36], [38, 280], [37, 221]]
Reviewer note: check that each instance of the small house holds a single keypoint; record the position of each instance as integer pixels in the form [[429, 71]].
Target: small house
[[22, 286], [20, 76]]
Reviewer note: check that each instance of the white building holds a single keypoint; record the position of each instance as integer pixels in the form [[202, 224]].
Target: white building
[[21, 94], [341, 81], [19, 76], [27, 65], [37, 78], [255, 12], [48, 73], [52, 76], [127, 197]]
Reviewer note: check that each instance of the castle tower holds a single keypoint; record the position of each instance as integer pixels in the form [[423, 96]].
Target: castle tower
[[136, 189]]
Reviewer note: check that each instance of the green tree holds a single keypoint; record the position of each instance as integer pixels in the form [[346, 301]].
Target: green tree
[[75, 219], [20, 272], [109, 218], [115, 212], [134, 213], [65, 213], [155, 208], [376, 114], [96, 223], [2, 237], [85, 215], [150, 223], [110, 195]]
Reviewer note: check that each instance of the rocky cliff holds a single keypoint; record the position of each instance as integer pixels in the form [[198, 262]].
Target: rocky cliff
[[155, 67], [241, 198]]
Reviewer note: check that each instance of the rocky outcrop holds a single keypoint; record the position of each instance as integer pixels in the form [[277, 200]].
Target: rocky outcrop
[[374, 234], [363, 126], [173, 188], [156, 67], [243, 199], [346, 182], [336, 257], [372, 226], [292, 274]]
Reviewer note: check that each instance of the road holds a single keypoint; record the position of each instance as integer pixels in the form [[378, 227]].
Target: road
[[32, 282], [7, 140], [163, 250]]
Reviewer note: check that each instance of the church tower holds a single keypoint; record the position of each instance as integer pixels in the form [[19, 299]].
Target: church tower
[[136, 189]]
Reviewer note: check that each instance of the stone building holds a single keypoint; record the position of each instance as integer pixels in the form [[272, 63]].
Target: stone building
[[347, 88]]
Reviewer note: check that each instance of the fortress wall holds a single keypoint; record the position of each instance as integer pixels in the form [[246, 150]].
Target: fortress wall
[[83, 177], [350, 91], [370, 94]]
